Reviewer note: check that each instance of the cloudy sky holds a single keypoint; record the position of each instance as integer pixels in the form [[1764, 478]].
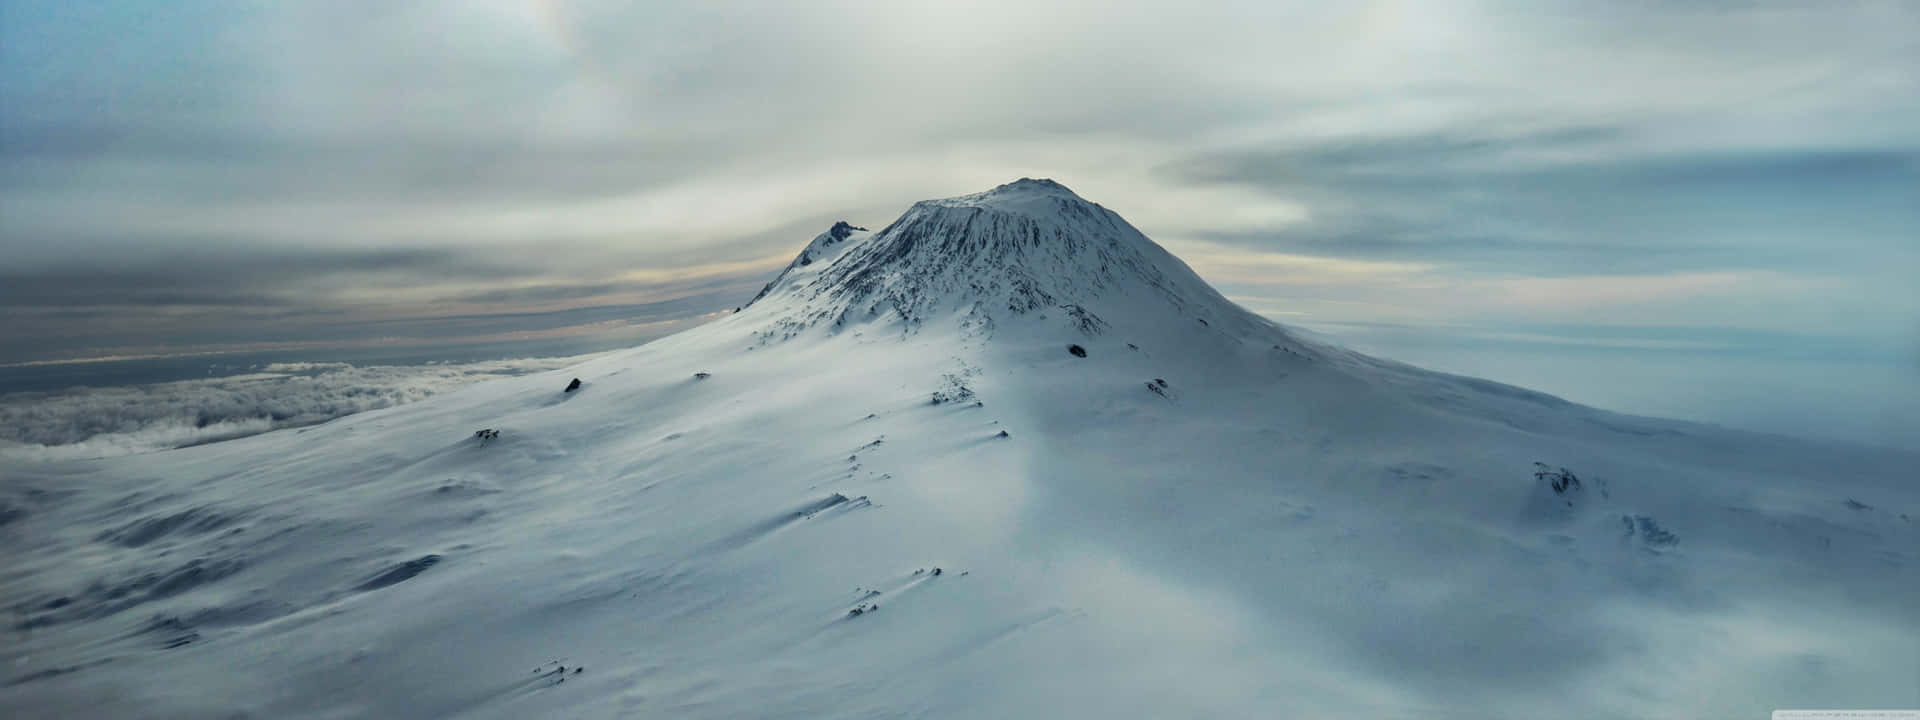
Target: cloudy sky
[[1719, 175]]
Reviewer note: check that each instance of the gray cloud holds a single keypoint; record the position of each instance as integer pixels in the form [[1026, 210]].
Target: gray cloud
[[1398, 159], [65, 333], [228, 276], [458, 325], [1540, 204], [248, 173], [252, 167]]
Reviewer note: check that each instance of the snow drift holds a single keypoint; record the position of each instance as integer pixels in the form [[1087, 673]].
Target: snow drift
[[1004, 457]]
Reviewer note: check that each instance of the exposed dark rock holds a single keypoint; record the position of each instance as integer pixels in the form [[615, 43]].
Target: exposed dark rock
[[1649, 532], [955, 391], [400, 573], [952, 395], [1086, 321], [842, 230], [1561, 480], [702, 375], [175, 632], [572, 386], [1077, 350]]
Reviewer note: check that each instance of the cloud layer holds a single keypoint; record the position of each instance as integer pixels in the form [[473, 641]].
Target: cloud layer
[[99, 422], [241, 173]]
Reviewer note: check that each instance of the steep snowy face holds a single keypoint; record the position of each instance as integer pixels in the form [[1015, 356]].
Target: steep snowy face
[[825, 247], [1024, 246]]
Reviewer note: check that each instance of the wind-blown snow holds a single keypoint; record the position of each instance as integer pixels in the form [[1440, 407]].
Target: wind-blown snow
[[887, 488], [91, 422]]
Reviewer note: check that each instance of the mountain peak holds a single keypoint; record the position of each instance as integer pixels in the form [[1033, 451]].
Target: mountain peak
[[1034, 185], [1028, 186], [1018, 249], [1027, 196]]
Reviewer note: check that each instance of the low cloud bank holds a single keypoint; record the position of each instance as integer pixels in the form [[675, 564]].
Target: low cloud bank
[[103, 422]]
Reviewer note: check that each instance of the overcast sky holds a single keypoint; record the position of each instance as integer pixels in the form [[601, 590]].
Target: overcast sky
[[223, 175]]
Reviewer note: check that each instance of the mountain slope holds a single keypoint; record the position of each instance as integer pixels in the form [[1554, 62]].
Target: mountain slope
[[1198, 513]]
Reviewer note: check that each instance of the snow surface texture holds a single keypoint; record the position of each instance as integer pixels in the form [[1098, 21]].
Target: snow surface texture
[[892, 491]]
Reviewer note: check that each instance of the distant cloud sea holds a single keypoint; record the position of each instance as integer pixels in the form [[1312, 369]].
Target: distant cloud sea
[[91, 422]]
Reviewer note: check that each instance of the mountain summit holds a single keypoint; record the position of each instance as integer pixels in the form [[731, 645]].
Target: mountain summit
[[1004, 457], [1021, 248], [1037, 196]]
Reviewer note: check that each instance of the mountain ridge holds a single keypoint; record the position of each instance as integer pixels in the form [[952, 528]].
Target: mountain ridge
[[1017, 249]]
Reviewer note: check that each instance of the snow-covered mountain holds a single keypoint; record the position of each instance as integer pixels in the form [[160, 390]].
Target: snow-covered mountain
[[1005, 457]]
